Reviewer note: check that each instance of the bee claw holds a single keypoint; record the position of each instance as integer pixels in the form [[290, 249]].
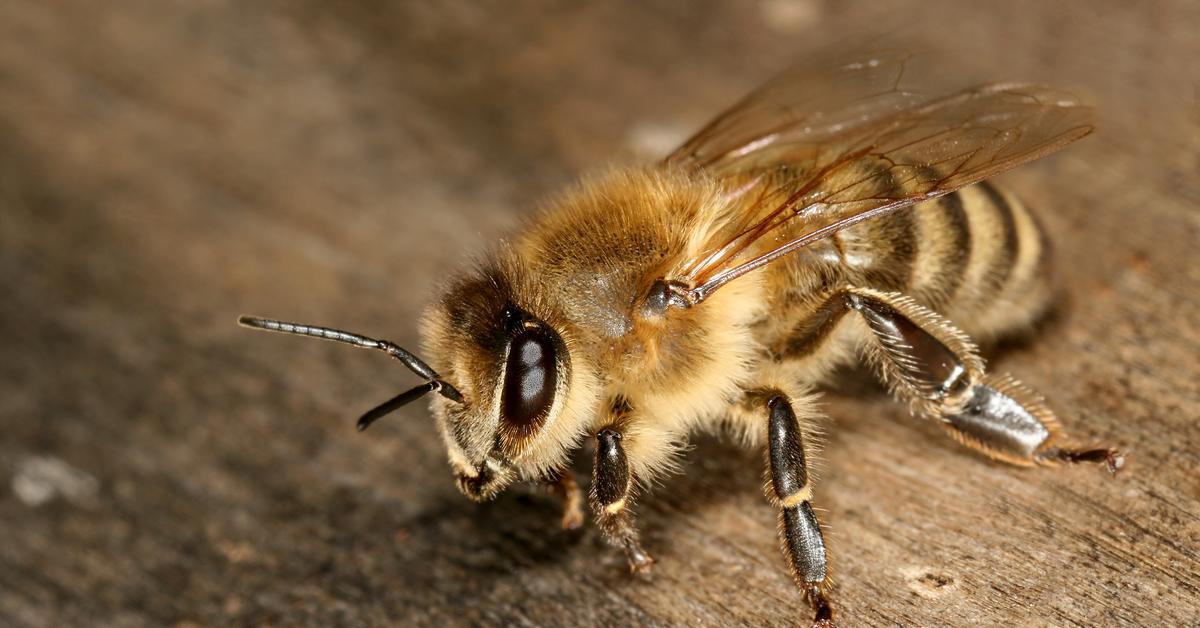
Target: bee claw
[[640, 561], [642, 567], [1113, 459]]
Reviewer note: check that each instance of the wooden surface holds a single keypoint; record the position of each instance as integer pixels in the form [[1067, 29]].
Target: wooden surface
[[167, 166]]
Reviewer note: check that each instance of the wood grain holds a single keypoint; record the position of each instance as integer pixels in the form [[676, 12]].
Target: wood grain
[[167, 166]]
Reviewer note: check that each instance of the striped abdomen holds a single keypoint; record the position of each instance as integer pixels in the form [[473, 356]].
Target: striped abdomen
[[976, 256], [981, 259]]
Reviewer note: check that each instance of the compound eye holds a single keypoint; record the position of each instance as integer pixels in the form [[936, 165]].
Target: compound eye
[[529, 380]]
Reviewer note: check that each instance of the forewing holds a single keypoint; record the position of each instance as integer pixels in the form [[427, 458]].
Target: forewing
[[800, 182], [814, 99]]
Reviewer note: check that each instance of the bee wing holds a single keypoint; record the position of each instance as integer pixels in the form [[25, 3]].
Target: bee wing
[[801, 177], [814, 99]]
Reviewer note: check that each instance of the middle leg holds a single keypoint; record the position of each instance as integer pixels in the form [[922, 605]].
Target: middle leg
[[790, 490]]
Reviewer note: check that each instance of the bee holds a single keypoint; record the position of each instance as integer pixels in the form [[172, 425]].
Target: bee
[[837, 213]]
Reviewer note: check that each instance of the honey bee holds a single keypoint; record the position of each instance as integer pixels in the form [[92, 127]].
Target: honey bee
[[835, 213]]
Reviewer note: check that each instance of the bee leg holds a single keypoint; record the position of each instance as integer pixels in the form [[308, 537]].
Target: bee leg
[[563, 485], [610, 497], [1007, 421], [932, 365], [791, 491]]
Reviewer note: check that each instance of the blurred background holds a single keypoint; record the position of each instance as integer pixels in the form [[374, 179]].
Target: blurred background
[[166, 166]]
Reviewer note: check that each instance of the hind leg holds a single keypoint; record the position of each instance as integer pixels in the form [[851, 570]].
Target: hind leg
[[929, 363]]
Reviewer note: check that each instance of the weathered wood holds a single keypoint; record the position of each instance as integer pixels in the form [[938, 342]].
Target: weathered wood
[[167, 166]]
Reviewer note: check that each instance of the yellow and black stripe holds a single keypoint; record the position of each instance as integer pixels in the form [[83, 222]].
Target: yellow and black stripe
[[977, 256]]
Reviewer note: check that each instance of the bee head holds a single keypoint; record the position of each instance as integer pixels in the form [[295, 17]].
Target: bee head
[[508, 355]]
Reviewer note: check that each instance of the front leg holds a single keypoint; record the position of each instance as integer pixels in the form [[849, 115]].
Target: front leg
[[611, 497], [563, 485]]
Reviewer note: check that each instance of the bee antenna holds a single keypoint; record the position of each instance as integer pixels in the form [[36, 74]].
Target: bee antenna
[[415, 364], [395, 403]]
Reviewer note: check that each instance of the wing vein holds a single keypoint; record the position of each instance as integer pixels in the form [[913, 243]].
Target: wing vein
[[806, 156]]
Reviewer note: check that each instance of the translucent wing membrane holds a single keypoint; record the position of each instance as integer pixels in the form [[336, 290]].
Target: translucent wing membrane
[[798, 177], [816, 99]]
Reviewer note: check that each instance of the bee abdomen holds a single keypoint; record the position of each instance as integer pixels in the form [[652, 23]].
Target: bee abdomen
[[976, 256], [981, 260]]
